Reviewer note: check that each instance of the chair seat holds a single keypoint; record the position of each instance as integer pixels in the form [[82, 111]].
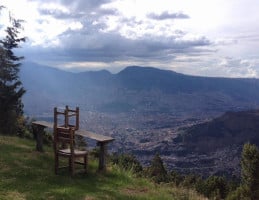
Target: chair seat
[[68, 152]]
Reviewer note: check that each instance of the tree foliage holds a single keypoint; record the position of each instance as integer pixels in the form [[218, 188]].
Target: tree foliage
[[250, 170], [214, 187], [11, 90], [157, 170]]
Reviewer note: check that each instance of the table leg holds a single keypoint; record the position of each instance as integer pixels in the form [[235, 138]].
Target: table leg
[[102, 156]]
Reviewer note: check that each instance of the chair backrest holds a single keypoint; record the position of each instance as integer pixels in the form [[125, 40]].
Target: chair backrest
[[57, 119], [67, 114], [74, 114], [64, 136]]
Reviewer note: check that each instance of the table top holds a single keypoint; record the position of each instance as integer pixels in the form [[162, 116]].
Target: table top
[[84, 133], [94, 136], [43, 123]]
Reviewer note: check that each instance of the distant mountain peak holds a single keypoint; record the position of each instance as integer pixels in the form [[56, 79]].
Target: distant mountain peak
[[135, 69]]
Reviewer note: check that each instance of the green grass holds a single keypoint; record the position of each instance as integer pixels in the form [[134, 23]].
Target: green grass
[[27, 174]]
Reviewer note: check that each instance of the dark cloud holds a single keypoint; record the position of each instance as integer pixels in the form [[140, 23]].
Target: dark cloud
[[94, 43], [59, 14], [84, 5], [103, 11], [131, 22], [166, 15], [79, 9], [88, 45]]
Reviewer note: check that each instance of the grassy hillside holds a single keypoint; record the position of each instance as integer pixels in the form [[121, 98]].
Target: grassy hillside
[[27, 174]]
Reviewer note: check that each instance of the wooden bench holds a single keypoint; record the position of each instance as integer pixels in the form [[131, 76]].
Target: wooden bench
[[102, 141]]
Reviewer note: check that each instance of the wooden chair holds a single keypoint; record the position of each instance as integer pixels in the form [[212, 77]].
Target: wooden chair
[[63, 135]]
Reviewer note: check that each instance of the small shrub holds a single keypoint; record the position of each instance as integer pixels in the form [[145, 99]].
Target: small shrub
[[80, 142], [24, 129], [127, 162], [48, 138], [176, 177], [213, 187], [190, 180], [95, 152], [241, 193]]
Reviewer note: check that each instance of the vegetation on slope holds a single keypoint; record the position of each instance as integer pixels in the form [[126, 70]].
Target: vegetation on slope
[[27, 174]]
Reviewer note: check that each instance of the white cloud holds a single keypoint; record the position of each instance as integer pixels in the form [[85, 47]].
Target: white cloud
[[75, 26]]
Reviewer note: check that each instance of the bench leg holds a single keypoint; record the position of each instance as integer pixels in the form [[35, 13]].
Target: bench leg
[[102, 156], [38, 133]]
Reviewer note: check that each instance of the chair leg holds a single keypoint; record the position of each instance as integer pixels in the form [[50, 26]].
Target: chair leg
[[56, 163], [85, 163], [72, 165]]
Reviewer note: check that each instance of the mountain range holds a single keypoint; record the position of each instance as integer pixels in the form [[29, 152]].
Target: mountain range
[[139, 89], [149, 110]]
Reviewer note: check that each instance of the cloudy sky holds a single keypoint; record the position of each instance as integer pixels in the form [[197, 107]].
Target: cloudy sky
[[201, 37]]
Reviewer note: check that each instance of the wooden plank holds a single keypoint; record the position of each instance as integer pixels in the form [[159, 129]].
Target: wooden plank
[[43, 123], [84, 133], [94, 136]]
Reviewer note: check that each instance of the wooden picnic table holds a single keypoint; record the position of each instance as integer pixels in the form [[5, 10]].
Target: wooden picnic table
[[102, 141]]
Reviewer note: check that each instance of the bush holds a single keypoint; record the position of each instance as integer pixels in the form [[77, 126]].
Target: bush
[[127, 162], [241, 193], [176, 178], [24, 127], [213, 187], [190, 180]]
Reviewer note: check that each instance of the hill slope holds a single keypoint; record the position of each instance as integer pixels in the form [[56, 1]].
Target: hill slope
[[232, 128], [26, 174], [215, 146]]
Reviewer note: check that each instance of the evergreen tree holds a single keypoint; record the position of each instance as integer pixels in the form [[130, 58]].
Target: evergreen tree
[[11, 90], [157, 170], [250, 171]]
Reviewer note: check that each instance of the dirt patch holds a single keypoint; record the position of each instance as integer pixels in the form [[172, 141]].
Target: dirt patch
[[134, 191], [89, 198], [14, 195]]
